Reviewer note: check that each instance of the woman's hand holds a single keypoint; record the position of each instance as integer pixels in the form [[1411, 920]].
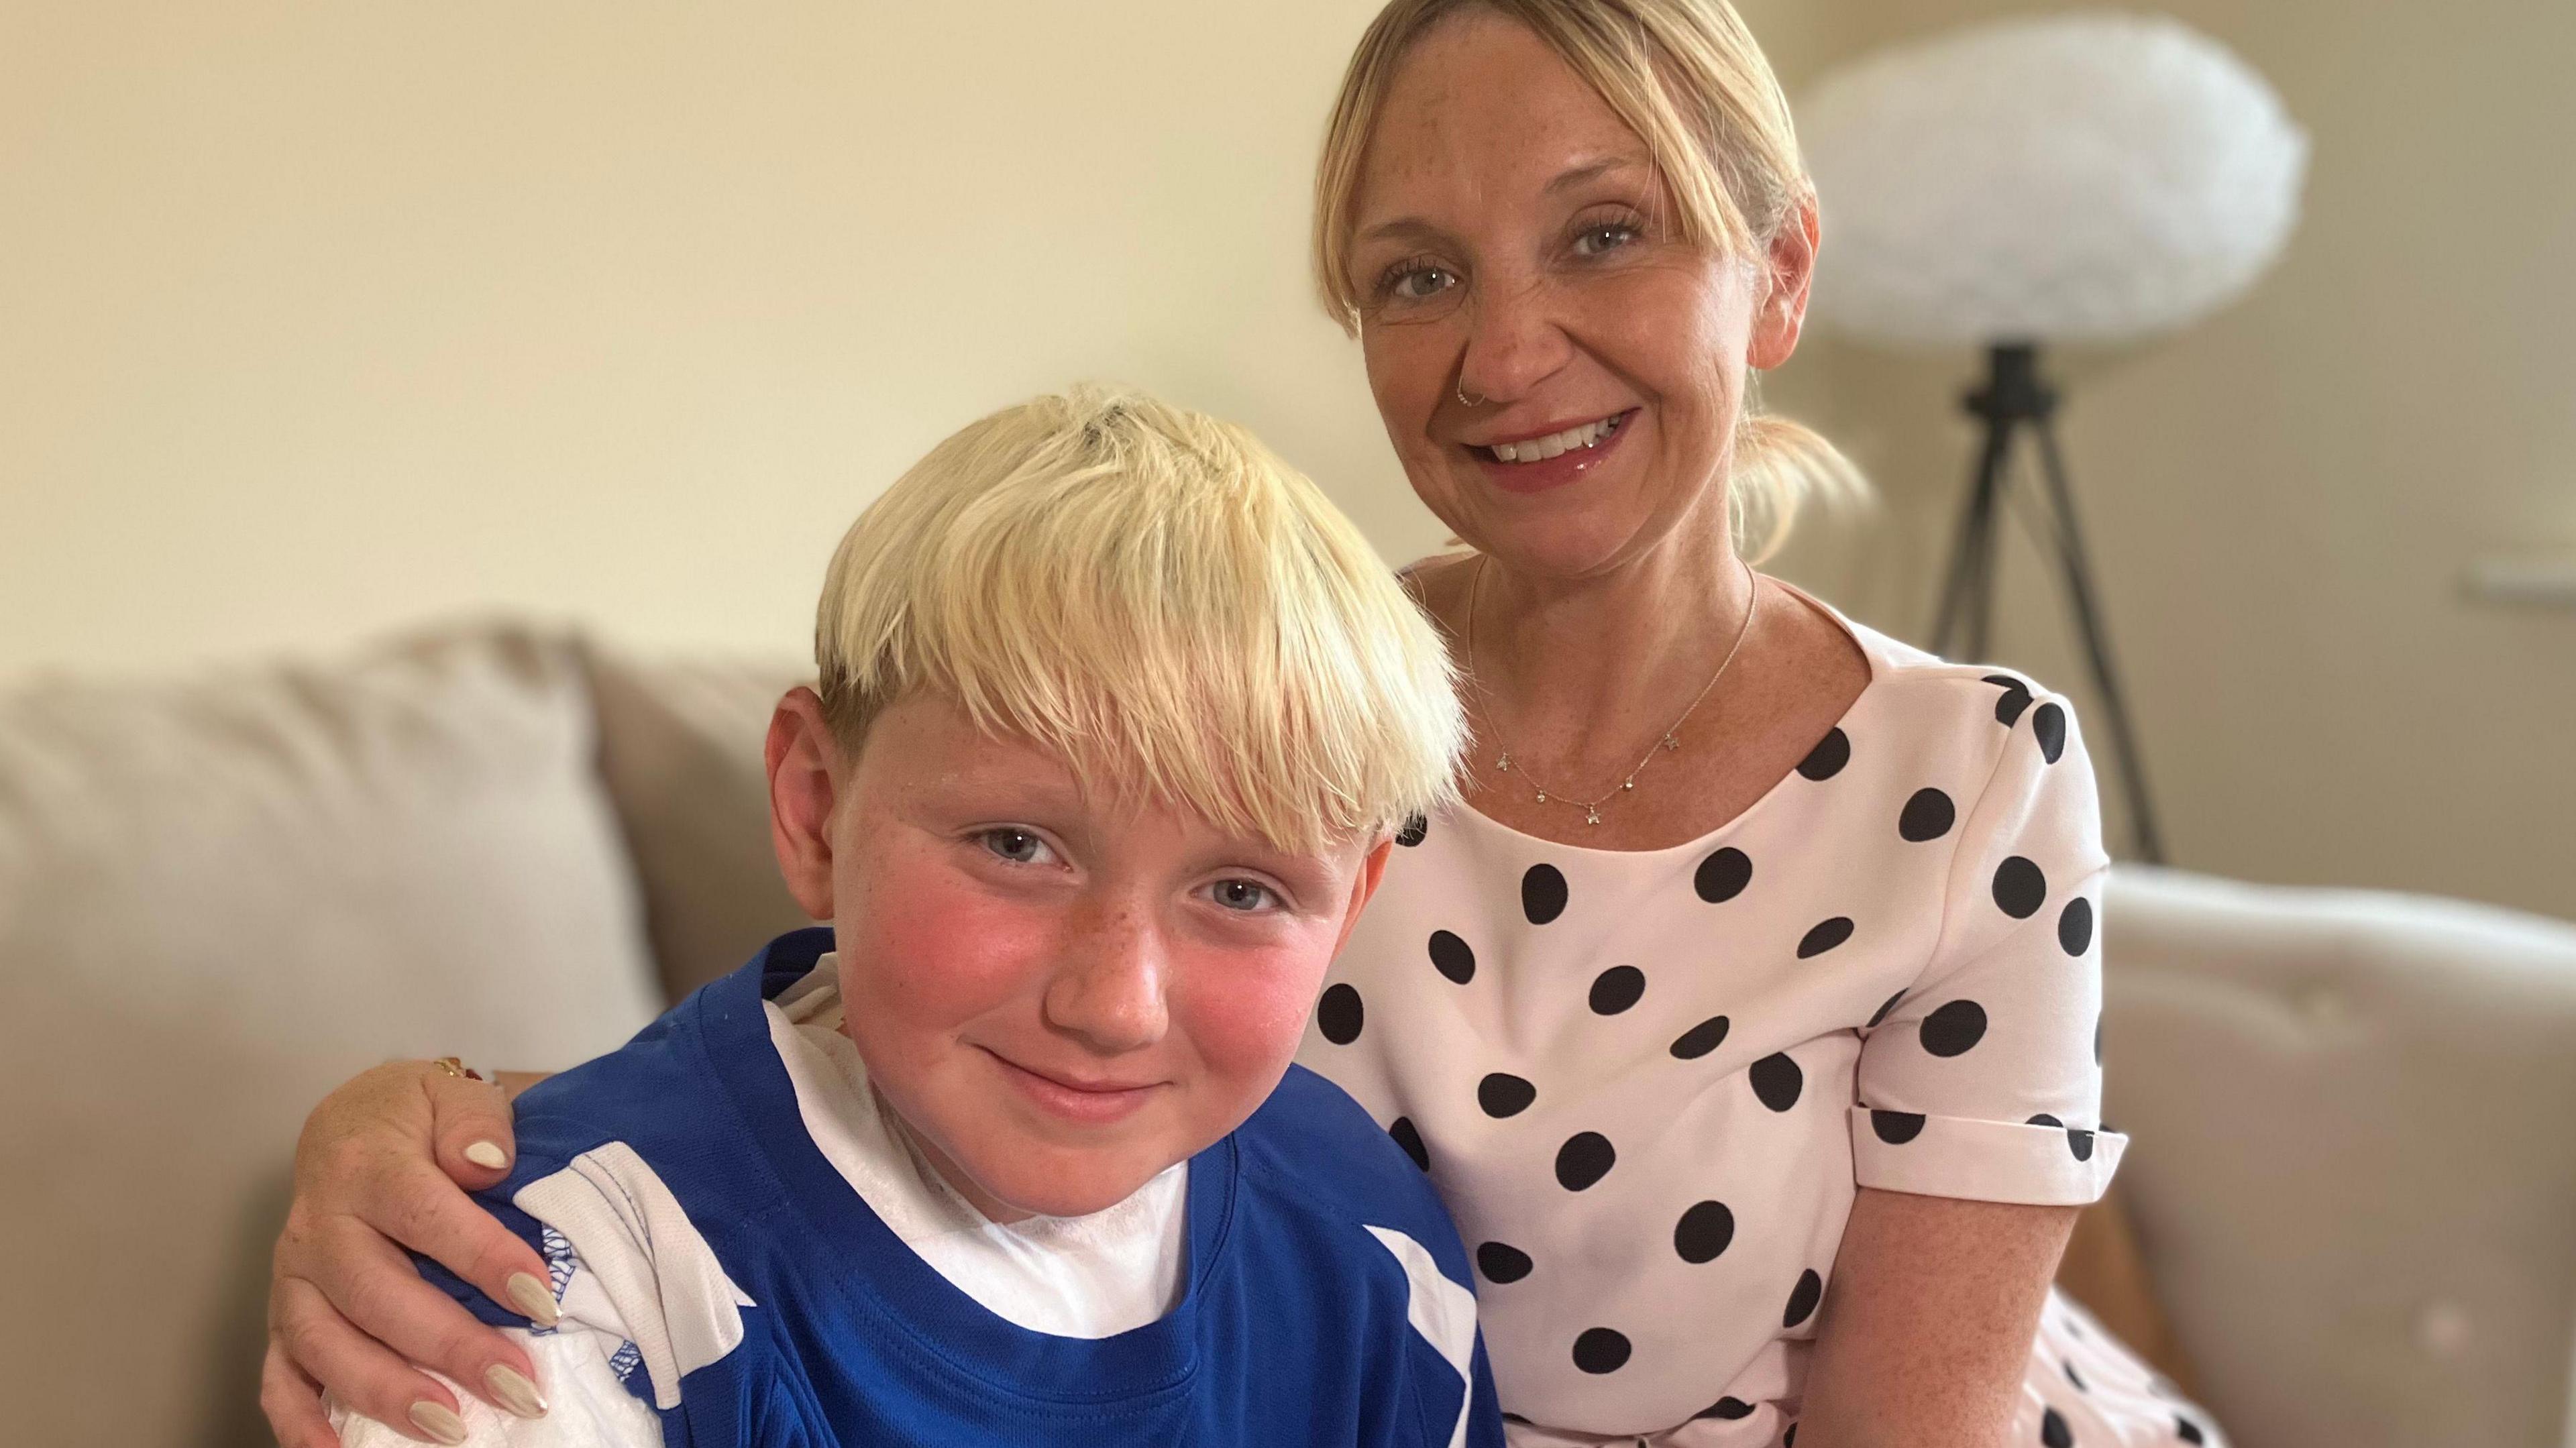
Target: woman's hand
[[383, 1164]]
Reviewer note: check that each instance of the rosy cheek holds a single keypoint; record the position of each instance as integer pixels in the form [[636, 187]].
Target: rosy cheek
[[1245, 1012], [937, 951]]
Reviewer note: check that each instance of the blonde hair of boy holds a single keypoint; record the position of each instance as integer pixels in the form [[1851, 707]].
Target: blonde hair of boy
[[1157, 598], [1688, 78]]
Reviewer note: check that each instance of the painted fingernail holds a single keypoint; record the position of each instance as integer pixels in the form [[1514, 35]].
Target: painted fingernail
[[484, 1153], [515, 1392], [533, 1300], [438, 1421]]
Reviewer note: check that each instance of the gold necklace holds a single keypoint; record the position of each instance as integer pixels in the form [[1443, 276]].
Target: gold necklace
[[1671, 739]]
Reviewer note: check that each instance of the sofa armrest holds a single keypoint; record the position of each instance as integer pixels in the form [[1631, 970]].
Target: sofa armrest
[[2353, 1154]]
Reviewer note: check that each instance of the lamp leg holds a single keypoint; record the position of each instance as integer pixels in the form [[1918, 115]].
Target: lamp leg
[[1968, 588], [2097, 647]]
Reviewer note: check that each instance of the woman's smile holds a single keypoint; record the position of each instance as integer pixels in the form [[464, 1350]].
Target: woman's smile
[[1533, 460]]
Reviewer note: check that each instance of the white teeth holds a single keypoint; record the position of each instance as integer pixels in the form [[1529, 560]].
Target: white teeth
[[1536, 449]]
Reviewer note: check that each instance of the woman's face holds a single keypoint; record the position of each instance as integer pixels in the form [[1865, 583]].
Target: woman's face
[[1511, 239]]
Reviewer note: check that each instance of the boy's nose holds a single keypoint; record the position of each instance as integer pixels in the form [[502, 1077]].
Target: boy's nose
[[1108, 990]]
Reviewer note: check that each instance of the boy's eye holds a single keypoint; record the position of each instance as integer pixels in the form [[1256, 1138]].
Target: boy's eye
[[1020, 847], [1242, 895]]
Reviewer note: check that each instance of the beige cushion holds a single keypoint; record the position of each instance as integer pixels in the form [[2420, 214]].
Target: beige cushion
[[217, 900], [680, 749], [2352, 1160]]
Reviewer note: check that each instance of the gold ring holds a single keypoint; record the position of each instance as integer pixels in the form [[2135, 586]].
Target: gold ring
[[457, 1068]]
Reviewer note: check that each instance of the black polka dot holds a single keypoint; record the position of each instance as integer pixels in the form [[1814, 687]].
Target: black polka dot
[[2075, 926], [2188, 1430], [1451, 957], [1723, 875], [2053, 1432], [1616, 989], [2073, 1376], [1703, 1232], [1883, 1010], [1411, 1140], [2044, 1119], [1338, 1014], [1585, 1158], [1728, 1409], [1502, 1262], [2048, 726], [1699, 1040], [2016, 698], [2020, 888], [1542, 893], [1828, 757], [1803, 1299], [2080, 1143], [1777, 1081], [1927, 816], [1824, 936], [1504, 1094], [1953, 1029], [1896, 1127], [1600, 1350], [1413, 832]]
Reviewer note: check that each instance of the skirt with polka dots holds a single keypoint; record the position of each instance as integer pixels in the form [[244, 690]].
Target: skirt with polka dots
[[2082, 1388]]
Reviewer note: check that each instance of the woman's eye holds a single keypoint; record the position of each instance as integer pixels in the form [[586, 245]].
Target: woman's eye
[[1020, 847], [1242, 895], [1418, 282], [1594, 240]]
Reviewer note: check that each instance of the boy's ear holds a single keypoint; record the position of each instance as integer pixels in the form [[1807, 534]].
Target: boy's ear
[[1372, 869], [804, 783]]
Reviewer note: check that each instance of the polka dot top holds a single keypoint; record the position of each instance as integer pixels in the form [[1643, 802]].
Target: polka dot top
[[1648, 1083]]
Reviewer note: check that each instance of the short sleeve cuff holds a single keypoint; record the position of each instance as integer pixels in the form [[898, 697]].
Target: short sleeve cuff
[[1986, 1161]]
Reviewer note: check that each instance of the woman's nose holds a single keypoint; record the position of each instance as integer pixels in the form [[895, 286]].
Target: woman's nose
[[1108, 986], [1515, 339]]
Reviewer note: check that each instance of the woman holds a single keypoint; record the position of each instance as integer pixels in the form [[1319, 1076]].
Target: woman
[[1747, 1015]]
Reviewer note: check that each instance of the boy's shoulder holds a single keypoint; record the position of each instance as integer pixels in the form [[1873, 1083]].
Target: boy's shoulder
[[673, 1087], [1312, 1151], [1308, 1119]]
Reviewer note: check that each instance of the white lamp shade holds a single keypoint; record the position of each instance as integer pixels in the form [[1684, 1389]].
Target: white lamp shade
[[2086, 177]]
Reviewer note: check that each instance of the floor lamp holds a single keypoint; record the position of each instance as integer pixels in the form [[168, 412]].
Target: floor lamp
[[2087, 178]]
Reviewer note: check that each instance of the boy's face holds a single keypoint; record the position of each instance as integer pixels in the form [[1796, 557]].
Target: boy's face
[[1061, 994]]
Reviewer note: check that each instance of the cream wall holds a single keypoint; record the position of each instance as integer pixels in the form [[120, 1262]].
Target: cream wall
[[317, 319], [2282, 501]]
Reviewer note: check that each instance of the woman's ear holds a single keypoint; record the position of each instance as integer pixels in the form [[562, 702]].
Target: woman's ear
[[1791, 269], [805, 779]]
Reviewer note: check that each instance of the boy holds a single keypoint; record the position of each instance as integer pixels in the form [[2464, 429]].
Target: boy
[[1116, 717]]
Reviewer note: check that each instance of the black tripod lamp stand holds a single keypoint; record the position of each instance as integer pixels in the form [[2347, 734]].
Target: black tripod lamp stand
[[2014, 400], [2087, 176]]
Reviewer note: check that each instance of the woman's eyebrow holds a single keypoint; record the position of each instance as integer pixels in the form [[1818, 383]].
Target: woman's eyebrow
[[1412, 226], [1581, 174], [1591, 171]]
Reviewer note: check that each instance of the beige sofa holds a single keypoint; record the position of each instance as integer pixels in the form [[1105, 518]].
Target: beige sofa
[[2354, 1116]]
